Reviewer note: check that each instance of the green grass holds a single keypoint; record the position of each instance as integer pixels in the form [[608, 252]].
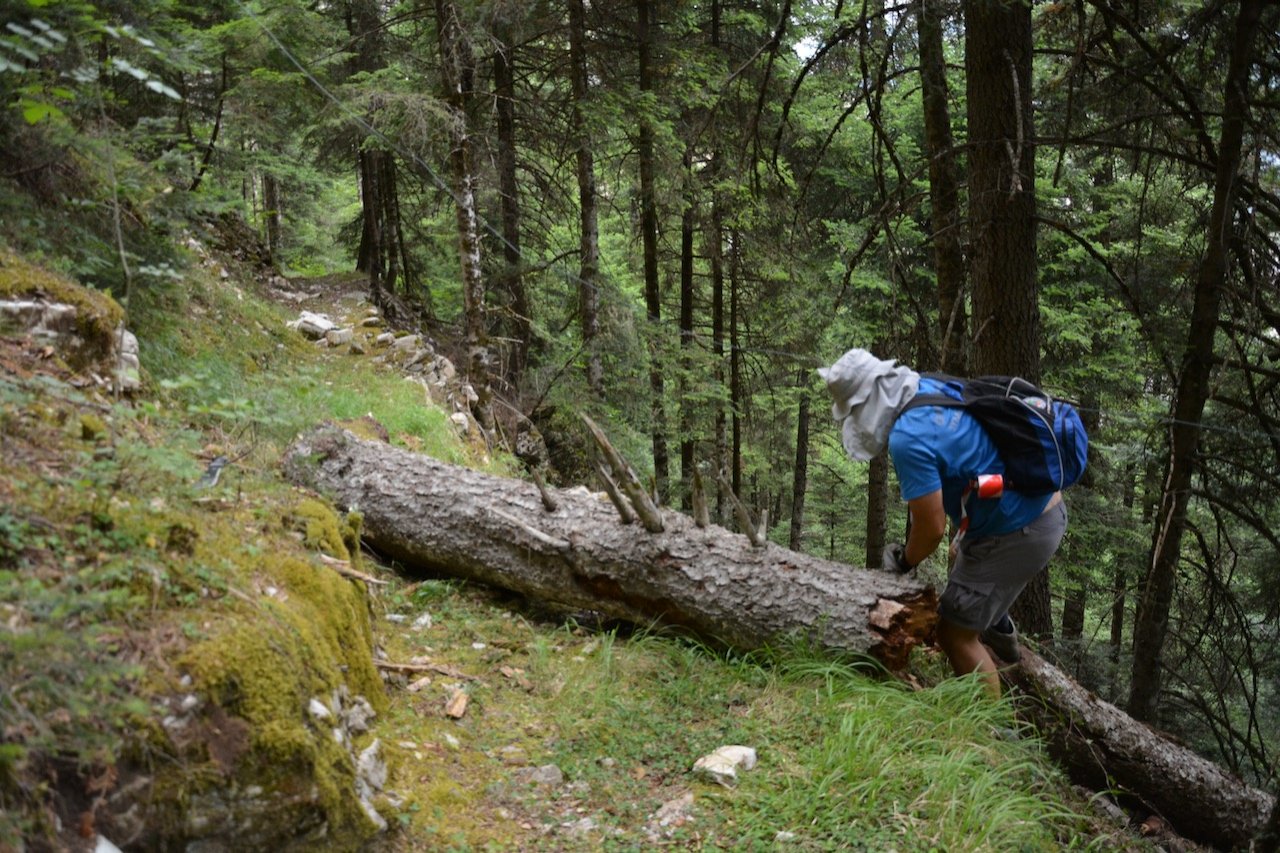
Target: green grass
[[847, 759]]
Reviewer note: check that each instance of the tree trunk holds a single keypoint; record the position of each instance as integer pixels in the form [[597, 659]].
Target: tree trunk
[[1002, 210], [504, 96], [715, 585], [1079, 581], [391, 237], [589, 231], [717, 332], [800, 478], [736, 394], [271, 203], [877, 507], [370, 258], [458, 72], [1151, 624], [1106, 750], [708, 581], [364, 25], [687, 415], [649, 236], [944, 197]]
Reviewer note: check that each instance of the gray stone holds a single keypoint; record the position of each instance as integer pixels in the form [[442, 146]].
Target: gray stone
[[547, 774], [338, 337], [357, 714], [407, 342], [371, 768], [312, 326]]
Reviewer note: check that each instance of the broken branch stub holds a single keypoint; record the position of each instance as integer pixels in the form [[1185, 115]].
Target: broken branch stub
[[615, 494], [641, 503], [701, 512], [745, 521]]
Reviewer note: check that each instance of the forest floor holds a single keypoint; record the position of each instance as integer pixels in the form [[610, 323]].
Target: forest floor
[[506, 726]]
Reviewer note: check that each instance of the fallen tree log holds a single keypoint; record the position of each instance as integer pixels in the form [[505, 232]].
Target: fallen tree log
[[1105, 749], [717, 585], [708, 581]]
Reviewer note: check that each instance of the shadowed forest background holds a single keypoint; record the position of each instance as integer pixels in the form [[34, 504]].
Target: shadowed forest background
[[669, 214]]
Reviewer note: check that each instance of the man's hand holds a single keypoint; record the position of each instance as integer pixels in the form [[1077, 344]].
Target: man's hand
[[895, 559]]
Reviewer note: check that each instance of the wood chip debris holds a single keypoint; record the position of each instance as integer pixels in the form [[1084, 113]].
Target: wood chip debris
[[456, 707]]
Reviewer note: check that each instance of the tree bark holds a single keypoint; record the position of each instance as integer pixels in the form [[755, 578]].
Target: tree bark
[[1002, 210], [712, 583], [1104, 749], [1152, 622], [708, 581]]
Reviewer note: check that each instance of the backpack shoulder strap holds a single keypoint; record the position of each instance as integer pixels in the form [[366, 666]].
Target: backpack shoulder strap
[[935, 398]]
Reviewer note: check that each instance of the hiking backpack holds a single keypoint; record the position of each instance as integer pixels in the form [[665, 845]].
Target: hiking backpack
[[1040, 439]]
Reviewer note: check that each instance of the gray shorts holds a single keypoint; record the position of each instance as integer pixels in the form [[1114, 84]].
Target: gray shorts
[[990, 572]]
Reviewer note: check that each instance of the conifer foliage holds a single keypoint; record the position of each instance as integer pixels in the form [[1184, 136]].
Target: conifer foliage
[[669, 214]]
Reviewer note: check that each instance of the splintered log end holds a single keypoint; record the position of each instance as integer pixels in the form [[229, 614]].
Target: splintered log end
[[902, 625]]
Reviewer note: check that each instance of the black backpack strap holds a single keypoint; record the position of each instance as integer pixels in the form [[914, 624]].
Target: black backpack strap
[[936, 398], [920, 400]]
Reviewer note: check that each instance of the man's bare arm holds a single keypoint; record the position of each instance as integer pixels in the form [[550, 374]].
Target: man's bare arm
[[928, 526]]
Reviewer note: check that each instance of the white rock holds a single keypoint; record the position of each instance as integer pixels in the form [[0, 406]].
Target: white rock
[[319, 710], [722, 765], [371, 769], [313, 326], [423, 622]]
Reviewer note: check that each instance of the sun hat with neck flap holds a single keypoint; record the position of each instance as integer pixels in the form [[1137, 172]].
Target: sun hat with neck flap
[[868, 394]]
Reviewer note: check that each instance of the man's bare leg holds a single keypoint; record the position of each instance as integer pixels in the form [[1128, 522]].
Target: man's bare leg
[[967, 654]]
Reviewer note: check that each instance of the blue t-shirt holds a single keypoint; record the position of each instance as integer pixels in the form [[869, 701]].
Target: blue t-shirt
[[940, 447]]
